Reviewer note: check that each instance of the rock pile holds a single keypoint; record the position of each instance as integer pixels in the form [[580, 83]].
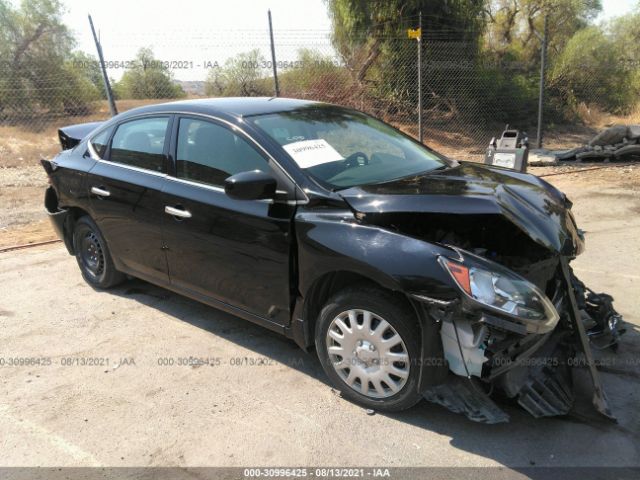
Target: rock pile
[[619, 142]]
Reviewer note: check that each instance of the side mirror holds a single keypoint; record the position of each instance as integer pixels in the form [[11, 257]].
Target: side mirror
[[252, 185]]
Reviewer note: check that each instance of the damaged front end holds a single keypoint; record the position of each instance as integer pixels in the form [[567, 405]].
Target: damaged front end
[[522, 320], [529, 360], [528, 354]]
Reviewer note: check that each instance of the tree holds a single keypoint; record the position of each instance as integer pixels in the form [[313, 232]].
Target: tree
[[78, 88], [241, 76], [362, 30], [371, 37], [625, 33], [515, 27], [599, 66], [89, 67], [35, 47], [147, 78], [317, 76]]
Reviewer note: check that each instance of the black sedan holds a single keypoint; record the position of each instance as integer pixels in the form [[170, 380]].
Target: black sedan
[[412, 275]]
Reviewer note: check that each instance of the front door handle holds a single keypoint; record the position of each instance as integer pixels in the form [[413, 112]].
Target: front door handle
[[177, 212], [100, 191]]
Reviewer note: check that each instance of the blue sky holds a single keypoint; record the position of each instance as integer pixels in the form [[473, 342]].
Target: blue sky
[[201, 31]]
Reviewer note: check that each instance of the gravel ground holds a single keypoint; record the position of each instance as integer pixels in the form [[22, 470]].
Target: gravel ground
[[262, 401]]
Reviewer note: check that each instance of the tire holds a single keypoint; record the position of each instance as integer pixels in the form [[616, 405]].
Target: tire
[[93, 256], [370, 308]]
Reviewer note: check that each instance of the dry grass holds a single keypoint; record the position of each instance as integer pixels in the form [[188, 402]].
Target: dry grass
[[596, 118]]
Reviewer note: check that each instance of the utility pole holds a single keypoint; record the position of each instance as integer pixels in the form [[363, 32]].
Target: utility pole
[[420, 77], [107, 85], [543, 65], [273, 56]]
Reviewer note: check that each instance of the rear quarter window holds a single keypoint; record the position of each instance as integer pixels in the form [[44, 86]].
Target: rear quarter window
[[99, 142]]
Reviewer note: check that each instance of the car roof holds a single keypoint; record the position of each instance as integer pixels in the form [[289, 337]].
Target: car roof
[[234, 106]]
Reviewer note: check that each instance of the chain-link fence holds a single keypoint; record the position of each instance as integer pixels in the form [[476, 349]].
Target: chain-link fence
[[467, 96]]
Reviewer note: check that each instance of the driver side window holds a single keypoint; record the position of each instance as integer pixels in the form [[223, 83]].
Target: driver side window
[[209, 153]]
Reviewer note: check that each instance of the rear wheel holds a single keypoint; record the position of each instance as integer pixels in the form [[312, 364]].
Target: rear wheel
[[368, 343], [93, 256]]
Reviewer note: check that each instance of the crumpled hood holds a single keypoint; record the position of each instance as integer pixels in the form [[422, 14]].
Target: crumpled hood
[[533, 205]]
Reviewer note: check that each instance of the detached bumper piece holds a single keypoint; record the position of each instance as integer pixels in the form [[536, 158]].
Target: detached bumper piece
[[599, 398], [533, 369], [602, 322], [547, 394], [461, 395]]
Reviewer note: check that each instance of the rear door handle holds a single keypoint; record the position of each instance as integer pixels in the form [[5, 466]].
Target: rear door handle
[[177, 212], [100, 191]]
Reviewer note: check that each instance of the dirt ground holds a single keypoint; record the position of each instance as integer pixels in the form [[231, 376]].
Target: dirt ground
[[106, 386]]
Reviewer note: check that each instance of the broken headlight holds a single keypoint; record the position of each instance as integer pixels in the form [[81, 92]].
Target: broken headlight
[[503, 291]]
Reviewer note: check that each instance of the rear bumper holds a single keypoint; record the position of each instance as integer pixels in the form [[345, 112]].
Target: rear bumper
[[59, 218]]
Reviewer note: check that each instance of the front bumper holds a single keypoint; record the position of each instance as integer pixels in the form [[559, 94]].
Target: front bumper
[[534, 369]]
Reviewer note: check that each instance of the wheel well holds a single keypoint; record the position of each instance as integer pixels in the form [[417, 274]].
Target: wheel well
[[327, 286], [75, 213]]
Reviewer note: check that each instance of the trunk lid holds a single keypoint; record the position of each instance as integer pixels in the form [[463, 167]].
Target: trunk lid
[[71, 135]]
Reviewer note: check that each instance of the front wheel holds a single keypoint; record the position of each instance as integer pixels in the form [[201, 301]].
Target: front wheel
[[368, 343], [93, 256]]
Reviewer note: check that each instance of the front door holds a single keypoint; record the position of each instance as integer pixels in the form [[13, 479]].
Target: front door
[[233, 251], [125, 192]]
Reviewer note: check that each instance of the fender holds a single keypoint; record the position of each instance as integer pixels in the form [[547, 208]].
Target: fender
[[330, 241]]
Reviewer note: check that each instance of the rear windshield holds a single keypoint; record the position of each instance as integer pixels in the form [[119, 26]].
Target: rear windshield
[[342, 148]]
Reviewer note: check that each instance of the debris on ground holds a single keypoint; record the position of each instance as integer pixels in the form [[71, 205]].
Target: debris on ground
[[616, 143]]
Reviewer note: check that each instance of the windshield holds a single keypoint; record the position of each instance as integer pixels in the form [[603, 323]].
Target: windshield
[[342, 148]]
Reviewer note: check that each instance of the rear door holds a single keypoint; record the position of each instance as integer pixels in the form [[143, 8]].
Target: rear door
[[233, 251], [125, 191]]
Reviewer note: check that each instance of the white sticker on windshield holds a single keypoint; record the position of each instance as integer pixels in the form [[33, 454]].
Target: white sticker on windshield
[[309, 153]]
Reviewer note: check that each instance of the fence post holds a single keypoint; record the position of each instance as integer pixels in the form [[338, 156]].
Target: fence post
[[107, 85], [273, 56], [543, 65], [420, 77]]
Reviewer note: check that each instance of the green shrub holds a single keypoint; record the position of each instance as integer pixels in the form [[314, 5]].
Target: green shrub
[[241, 76], [148, 78]]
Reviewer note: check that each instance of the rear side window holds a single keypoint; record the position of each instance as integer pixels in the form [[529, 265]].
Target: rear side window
[[99, 142], [209, 153], [140, 143]]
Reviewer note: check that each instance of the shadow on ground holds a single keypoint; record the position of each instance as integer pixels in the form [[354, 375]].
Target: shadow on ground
[[580, 439]]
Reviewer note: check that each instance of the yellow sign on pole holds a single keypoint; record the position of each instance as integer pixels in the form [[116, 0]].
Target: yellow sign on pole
[[414, 33]]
